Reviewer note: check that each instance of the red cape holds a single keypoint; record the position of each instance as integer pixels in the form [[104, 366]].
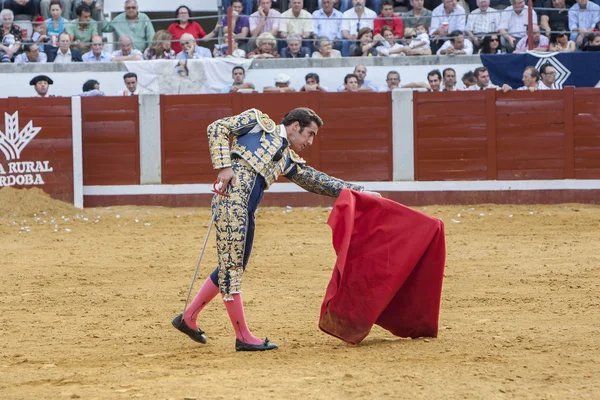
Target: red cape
[[389, 269]]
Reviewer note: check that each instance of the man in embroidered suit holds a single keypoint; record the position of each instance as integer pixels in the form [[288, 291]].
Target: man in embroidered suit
[[261, 151]]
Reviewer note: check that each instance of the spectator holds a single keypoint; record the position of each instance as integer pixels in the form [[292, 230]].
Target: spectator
[[350, 84], [491, 45], [540, 43], [56, 23], [481, 21], [582, 18], [191, 49], [434, 78], [31, 54], [388, 18], [65, 7], [548, 77], [91, 88], [593, 43], [389, 47], [294, 48], [40, 36], [365, 46], [131, 83], [312, 83], [392, 82], [340, 5], [531, 78], [417, 41], [449, 75], [353, 20], [126, 51], [328, 23], [264, 20], [457, 45], [364, 85], [282, 85], [97, 54], [94, 5], [41, 85], [513, 24], [11, 36], [134, 24], [246, 9], [560, 42], [184, 25], [241, 23], [160, 49], [418, 14], [81, 30], [265, 47], [468, 79], [239, 75], [23, 9], [296, 21], [482, 80], [222, 50], [325, 48], [447, 17], [555, 20], [63, 53]]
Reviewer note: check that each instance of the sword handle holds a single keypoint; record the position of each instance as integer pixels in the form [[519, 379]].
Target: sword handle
[[217, 191]]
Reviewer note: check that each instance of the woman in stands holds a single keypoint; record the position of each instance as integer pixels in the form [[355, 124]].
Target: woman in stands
[[11, 37], [184, 25], [389, 47], [325, 49], [160, 48], [560, 42], [491, 45], [56, 24], [266, 47], [365, 46]]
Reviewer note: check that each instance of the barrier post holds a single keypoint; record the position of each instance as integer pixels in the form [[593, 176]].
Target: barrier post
[[230, 28]]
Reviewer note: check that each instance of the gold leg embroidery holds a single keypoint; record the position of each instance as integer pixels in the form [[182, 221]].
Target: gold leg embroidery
[[232, 228]]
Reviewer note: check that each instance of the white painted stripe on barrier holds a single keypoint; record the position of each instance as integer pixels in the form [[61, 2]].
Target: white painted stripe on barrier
[[150, 144], [437, 186], [77, 141]]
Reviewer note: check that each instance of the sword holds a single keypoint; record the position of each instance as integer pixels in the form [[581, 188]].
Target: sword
[[220, 195]]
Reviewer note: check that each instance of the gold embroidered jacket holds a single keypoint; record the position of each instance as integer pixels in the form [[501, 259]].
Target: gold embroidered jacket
[[256, 139]]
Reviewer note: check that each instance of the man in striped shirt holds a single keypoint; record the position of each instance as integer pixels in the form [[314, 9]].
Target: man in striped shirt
[[481, 21]]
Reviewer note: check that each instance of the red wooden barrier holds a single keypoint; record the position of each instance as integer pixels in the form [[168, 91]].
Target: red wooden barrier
[[111, 140], [46, 161], [552, 134], [354, 144]]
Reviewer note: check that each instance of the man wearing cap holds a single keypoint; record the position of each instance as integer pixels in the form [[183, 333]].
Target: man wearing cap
[[31, 54], [261, 151], [41, 84], [282, 85]]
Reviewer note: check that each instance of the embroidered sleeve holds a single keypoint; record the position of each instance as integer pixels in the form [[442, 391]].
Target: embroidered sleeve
[[220, 131], [318, 182]]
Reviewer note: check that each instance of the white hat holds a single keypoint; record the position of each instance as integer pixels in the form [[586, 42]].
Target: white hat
[[282, 78]]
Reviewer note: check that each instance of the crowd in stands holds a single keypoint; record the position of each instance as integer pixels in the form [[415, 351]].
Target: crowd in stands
[[70, 30]]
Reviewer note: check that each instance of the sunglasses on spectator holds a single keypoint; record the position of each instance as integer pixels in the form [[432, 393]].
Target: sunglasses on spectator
[[131, 8], [411, 36], [494, 40]]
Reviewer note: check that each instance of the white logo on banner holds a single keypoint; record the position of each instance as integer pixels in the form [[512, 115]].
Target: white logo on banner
[[562, 72], [12, 143]]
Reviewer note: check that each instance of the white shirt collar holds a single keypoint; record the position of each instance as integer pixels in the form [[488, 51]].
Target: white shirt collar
[[282, 131]]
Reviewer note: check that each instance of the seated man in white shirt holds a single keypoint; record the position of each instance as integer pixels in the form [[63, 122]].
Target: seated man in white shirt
[[126, 51], [97, 54], [63, 53], [191, 49], [513, 24], [31, 54], [131, 82], [481, 21], [457, 45], [353, 21]]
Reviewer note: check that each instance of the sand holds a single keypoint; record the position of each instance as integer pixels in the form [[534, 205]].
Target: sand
[[87, 298]]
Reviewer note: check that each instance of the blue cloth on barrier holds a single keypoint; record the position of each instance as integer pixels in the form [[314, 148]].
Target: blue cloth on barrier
[[573, 69]]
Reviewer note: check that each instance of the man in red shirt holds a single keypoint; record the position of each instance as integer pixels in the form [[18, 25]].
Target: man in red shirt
[[387, 17]]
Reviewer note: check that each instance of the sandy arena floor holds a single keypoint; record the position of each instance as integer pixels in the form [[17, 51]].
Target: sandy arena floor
[[86, 303]]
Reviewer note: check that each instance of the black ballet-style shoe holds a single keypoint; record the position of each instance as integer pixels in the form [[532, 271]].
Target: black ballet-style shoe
[[266, 345], [181, 326]]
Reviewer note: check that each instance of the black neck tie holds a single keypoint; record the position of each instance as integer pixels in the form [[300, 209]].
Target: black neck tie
[[279, 154]]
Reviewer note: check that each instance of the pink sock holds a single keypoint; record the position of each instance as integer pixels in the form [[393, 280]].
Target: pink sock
[[207, 292], [235, 309]]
